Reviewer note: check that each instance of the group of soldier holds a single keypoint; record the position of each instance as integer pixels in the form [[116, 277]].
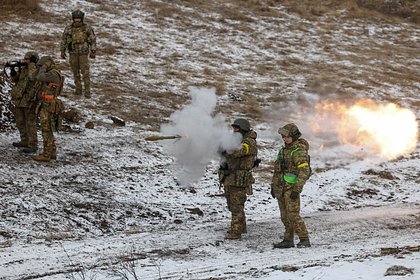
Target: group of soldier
[[291, 171], [35, 94], [38, 84]]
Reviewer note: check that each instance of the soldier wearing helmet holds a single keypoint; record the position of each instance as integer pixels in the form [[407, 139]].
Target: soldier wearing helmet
[[80, 42], [49, 83], [291, 171], [23, 98], [236, 176]]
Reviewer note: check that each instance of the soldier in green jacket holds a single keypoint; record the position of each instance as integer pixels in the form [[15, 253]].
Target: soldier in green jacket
[[80, 41], [23, 98], [291, 171], [236, 177]]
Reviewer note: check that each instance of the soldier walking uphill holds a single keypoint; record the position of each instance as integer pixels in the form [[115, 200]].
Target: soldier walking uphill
[[48, 86], [291, 171], [235, 175], [80, 41], [23, 97]]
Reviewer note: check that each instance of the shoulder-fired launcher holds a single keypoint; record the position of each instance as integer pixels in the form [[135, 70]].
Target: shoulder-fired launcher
[[158, 138]]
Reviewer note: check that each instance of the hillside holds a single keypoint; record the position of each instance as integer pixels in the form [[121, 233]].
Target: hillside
[[115, 203]]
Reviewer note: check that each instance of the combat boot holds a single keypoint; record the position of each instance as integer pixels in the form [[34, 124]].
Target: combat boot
[[29, 150], [243, 229], [52, 152], [78, 92], [19, 145], [233, 236], [304, 243], [284, 244], [42, 157]]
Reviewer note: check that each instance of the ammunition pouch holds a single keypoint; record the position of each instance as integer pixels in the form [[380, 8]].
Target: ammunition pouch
[[17, 92], [282, 164], [243, 178], [55, 107]]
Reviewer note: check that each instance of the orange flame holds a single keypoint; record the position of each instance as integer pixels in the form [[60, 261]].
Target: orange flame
[[389, 130]]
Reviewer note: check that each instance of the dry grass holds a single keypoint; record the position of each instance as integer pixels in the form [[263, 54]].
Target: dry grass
[[403, 9], [18, 7]]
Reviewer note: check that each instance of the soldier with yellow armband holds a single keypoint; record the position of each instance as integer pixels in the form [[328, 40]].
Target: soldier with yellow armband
[[236, 176], [291, 171]]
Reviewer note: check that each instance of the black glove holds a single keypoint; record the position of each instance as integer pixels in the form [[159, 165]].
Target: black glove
[[272, 193], [256, 163], [294, 195], [223, 166]]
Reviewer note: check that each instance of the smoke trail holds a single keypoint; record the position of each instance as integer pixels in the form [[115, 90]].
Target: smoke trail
[[203, 134]]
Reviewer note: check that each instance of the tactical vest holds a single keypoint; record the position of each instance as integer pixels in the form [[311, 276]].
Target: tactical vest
[[21, 86], [290, 172], [79, 34]]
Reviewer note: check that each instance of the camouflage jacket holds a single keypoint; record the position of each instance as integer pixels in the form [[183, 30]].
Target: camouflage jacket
[[292, 161], [78, 38], [47, 87], [22, 93], [241, 161]]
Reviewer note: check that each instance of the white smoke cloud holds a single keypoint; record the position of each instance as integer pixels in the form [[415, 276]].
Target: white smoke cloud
[[203, 134]]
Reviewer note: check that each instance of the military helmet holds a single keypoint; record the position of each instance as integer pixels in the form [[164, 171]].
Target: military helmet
[[78, 14], [290, 130], [243, 124], [31, 56], [44, 60]]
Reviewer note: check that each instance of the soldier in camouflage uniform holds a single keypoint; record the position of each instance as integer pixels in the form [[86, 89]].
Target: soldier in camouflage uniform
[[291, 171], [23, 97], [48, 86], [236, 177], [80, 41]]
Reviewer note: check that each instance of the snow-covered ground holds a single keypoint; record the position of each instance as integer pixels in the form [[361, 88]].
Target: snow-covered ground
[[112, 204]]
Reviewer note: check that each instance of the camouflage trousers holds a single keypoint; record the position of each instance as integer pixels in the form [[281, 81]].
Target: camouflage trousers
[[290, 217], [26, 124], [46, 118], [236, 197], [79, 64]]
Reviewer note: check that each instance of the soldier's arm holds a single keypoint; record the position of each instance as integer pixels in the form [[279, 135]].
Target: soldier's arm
[[32, 71], [63, 44], [243, 151], [91, 39], [301, 161]]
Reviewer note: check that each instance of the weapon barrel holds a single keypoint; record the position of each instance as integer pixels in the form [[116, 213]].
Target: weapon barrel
[[158, 138]]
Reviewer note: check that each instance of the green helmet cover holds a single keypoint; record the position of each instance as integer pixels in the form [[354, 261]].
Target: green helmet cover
[[32, 56], [243, 124], [78, 14], [290, 130]]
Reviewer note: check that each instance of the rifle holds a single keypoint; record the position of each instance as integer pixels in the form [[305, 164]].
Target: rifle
[[13, 65]]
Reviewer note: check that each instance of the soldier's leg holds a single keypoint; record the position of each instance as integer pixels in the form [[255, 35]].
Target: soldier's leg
[[288, 226], [19, 113], [31, 127], [85, 70], [75, 68], [238, 198], [47, 135], [293, 213]]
